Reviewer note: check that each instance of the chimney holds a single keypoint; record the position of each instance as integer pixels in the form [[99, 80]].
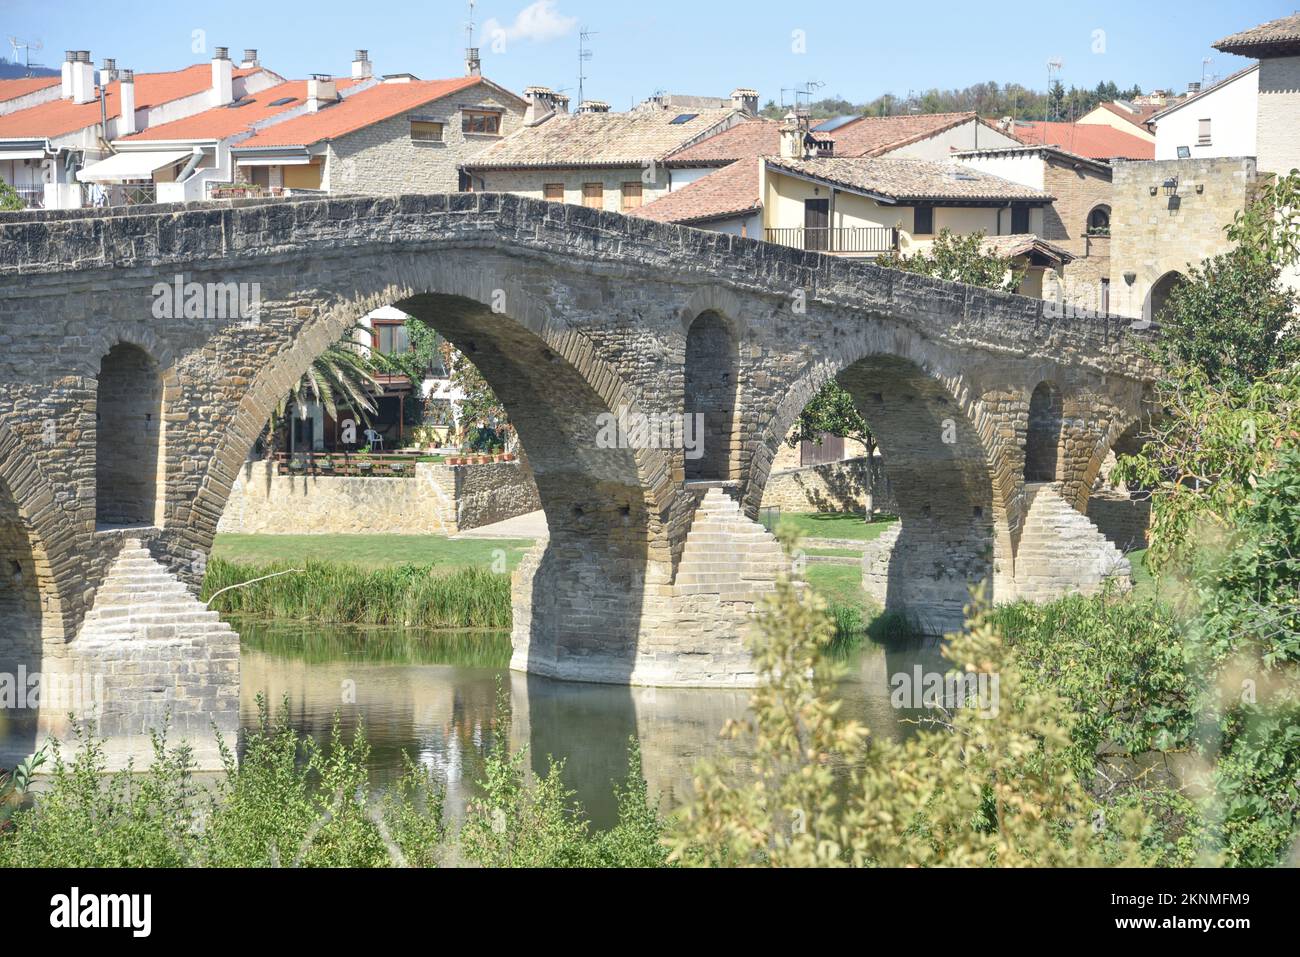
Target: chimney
[[83, 78], [126, 103], [321, 92], [745, 100], [223, 77], [250, 61], [69, 57], [472, 65], [593, 106], [794, 136], [108, 72], [361, 69], [561, 103], [541, 104]]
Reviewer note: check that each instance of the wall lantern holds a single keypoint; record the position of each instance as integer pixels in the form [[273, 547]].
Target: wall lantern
[[1171, 186]]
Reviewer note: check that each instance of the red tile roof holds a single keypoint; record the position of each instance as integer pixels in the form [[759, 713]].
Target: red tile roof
[[59, 117], [357, 111], [12, 89], [730, 191], [1094, 140], [1279, 37], [865, 136], [222, 121], [1138, 119], [874, 135], [747, 140]]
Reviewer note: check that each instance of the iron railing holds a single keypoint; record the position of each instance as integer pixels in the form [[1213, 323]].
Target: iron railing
[[33, 197], [863, 240]]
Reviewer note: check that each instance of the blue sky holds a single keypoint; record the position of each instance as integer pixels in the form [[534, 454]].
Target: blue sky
[[857, 50]]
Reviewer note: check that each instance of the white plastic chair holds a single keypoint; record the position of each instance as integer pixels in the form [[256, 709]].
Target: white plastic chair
[[375, 439]]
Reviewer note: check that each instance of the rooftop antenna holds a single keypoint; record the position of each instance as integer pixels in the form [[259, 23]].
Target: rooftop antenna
[[27, 47], [584, 56], [1053, 67], [1205, 66]]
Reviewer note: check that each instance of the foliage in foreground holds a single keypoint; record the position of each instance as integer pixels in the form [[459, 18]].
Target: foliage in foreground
[[961, 259], [291, 802], [993, 787], [423, 596]]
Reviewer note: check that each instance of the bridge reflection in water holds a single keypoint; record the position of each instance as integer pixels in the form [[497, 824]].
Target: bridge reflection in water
[[443, 714]]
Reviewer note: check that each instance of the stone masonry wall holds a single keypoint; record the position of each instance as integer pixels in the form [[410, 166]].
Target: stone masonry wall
[[1152, 235], [439, 500], [382, 158], [831, 487]]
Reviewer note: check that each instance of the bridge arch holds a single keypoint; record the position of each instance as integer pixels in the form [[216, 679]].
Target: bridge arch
[[711, 373], [1043, 433], [130, 444], [611, 511], [940, 451]]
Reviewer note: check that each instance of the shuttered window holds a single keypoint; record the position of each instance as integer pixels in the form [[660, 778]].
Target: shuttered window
[[593, 195], [632, 195], [553, 192], [424, 131]]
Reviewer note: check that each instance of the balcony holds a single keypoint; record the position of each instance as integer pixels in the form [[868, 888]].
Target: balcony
[[845, 240], [33, 197]]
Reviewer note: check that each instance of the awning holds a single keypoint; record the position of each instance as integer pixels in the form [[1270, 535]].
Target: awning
[[6, 154], [124, 166]]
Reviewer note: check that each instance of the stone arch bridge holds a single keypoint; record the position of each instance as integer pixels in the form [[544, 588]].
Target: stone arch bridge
[[121, 433]]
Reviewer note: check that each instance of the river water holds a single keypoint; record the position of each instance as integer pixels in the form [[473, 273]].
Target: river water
[[434, 697]]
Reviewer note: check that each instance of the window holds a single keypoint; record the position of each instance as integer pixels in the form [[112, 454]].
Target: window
[[1099, 222], [923, 221], [1105, 295], [480, 121], [1203, 133], [632, 195], [553, 192], [464, 182], [593, 195], [390, 338], [425, 131], [1019, 218], [282, 101]]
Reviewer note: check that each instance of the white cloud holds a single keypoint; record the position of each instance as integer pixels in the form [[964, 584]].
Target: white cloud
[[537, 22]]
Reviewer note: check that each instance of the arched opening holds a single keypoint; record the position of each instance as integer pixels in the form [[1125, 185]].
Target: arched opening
[[129, 439], [1099, 221], [1158, 298], [711, 374], [20, 631], [1043, 437], [941, 487]]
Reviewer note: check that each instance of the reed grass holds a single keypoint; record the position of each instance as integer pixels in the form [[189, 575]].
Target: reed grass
[[410, 596]]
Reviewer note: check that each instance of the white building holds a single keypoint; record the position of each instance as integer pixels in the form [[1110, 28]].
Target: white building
[[1221, 120]]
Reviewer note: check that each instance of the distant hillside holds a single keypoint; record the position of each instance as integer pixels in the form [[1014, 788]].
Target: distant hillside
[[988, 99], [10, 70]]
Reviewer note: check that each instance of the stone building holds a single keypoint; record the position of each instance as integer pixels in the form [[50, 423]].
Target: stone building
[[400, 135], [1078, 220], [595, 158], [1167, 215]]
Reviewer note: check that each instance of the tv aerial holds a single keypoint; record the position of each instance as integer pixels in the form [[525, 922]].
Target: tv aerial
[[27, 46]]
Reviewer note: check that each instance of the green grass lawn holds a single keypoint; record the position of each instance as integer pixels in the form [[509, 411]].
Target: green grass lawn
[[837, 584], [1143, 584], [836, 525], [368, 551]]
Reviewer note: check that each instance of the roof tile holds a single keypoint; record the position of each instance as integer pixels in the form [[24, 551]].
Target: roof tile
[[910, 179]]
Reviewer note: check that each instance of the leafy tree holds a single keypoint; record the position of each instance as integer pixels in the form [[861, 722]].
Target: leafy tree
[[962, 259], [484, 422], [10, 201], [1268, 229], [1230, 319]]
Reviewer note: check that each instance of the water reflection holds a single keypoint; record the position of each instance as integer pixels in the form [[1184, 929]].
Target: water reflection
[[433, 697]]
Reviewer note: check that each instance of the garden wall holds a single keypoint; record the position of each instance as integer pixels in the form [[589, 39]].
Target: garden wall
[[831, 487], [439, 499]]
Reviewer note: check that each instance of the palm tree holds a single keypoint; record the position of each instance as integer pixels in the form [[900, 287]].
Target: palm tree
[[343, 372]]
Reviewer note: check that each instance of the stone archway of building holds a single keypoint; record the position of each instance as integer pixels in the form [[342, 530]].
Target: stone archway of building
[[711, 382], [1043, 435], [1158, 297], [129, 440]]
